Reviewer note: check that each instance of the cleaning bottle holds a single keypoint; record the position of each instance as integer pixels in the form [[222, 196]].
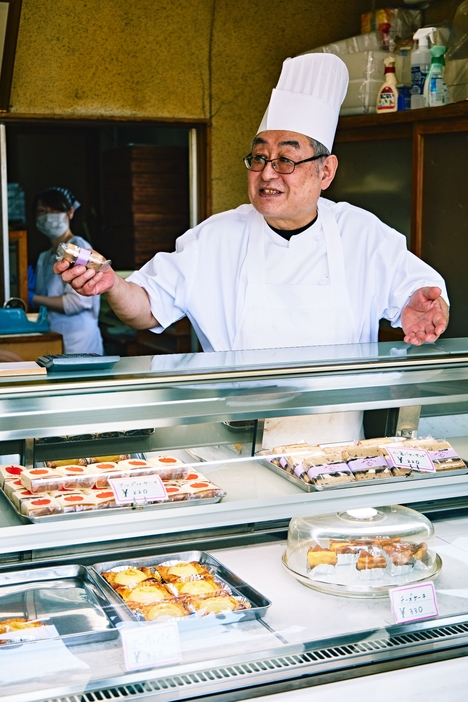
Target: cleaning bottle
[[387, 97], [420, 64], [436, 91]]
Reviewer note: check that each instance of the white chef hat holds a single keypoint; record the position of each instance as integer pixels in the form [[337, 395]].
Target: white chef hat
[[308, 97]]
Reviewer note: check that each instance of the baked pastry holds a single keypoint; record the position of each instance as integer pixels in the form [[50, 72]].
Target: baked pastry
[[295, 448], [182, 569], [129, 577], [130, 465], [368, 560], [327, 469], [75, 476], [295, 464], [16, 624], [420, 551], [103, 471], [21, 493], [104, 497], [316, 556], [168, 467], [10, 472], [41, 479], [441, 453], [148, 591], [200, 586], [109, 459], [218, 604], [40, 506], [11, 486], [367, 463], [67, 462], [164, 610], [75, 500]]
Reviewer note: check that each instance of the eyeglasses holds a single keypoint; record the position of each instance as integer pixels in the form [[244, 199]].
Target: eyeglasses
[[280, 165]]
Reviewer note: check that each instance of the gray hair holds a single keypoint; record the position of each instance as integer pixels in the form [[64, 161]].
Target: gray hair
[[319, 148]]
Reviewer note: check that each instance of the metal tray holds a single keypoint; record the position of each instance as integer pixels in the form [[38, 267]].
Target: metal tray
[[131, 434], [67, 597], [109, 511], [259, 603], [345, 582], [308, 487]]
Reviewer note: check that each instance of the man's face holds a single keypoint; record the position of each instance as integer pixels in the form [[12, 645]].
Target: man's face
[[288, 201]]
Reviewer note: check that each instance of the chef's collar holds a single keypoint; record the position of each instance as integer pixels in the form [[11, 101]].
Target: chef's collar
[[288, 233]]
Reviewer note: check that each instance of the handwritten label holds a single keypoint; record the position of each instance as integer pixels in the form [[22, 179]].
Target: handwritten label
[[150, 645], [139, 489], [410, 603], [416, 459]]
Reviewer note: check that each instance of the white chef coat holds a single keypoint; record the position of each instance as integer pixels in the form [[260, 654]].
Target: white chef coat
[[206, 278], [79, 323]]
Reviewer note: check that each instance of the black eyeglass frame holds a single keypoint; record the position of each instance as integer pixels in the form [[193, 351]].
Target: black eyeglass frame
[[247, 162]]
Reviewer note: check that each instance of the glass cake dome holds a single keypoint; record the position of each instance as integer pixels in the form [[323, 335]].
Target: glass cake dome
[[361, 552]]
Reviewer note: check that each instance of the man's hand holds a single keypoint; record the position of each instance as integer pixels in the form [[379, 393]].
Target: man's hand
[[425, 317], [129, 301], [86, 281]]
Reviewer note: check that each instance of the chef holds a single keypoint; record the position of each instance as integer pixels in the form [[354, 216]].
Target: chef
[[291, 268]]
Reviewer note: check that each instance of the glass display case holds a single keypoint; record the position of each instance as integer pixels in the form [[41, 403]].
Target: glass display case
[[209, 413]]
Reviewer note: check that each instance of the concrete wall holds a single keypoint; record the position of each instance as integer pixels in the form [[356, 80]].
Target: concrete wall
[[165, 59]]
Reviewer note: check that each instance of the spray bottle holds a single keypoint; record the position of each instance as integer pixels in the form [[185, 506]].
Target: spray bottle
[[387, 97], [420, 64], [436, 91]]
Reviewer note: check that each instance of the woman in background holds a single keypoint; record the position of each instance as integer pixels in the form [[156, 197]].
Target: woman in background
[[73, 316]]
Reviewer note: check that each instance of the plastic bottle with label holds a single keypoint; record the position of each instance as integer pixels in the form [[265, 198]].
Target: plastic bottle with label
[[420, 64], [436, 92], [387, 97]]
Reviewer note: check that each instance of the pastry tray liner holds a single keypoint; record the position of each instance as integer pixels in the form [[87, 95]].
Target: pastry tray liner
[[235, 585], [68, 597], [309, 487]]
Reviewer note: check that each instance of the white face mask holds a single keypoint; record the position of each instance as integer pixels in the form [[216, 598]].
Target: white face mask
[[53, 225]]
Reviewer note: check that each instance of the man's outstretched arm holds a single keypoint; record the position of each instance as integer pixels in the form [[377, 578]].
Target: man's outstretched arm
[[425, 316], [129, 301]]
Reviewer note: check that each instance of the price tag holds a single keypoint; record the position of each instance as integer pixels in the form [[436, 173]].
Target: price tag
[[413, 602], [139, 489], [150, 645], [417, 459]]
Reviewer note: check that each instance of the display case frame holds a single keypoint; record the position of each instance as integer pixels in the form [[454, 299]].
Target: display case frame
[[189, 399]]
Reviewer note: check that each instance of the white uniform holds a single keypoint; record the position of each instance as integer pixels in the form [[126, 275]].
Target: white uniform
[[244, 286], [79, 325]]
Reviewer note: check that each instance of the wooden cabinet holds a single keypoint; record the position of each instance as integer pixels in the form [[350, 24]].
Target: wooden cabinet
[[18, 251], [145, 202], [410, 169]]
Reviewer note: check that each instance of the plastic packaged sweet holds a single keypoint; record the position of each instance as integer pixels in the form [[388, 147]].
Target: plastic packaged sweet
[[77, 256], [362, 552], [367, 463], [10, 471]]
